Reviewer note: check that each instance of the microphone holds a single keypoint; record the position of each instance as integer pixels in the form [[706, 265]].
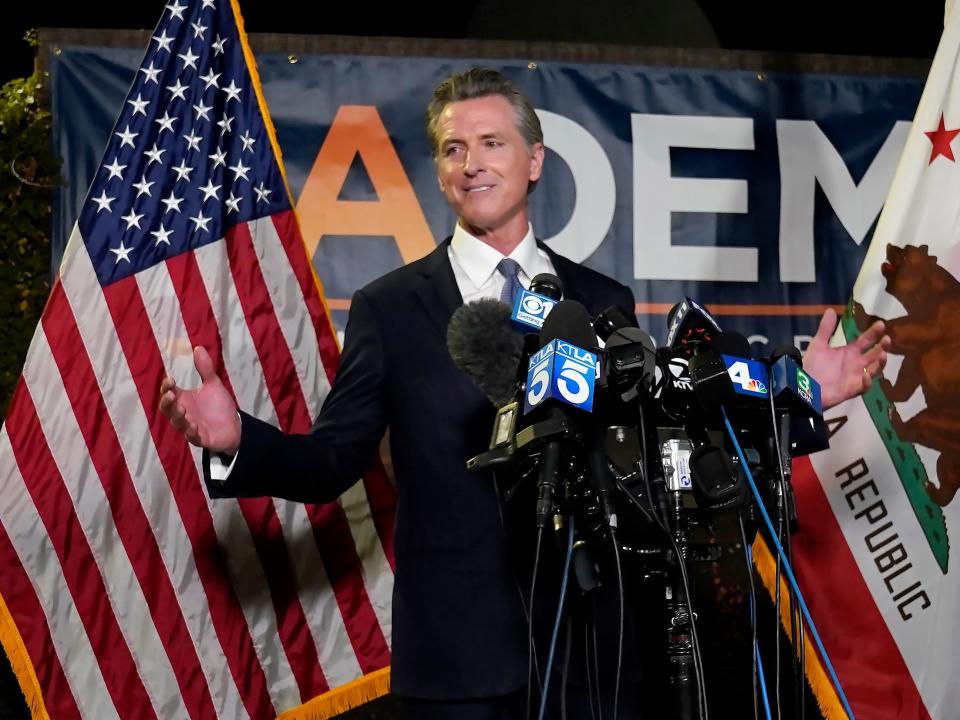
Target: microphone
[[563, 369], [690, 327], [562, 373], [797, 395], [531, 307], [485, 348]]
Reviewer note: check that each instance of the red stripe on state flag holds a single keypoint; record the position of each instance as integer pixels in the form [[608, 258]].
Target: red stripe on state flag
[[381, 495], [147, 370], [131, 522], [80, 571], [24, 606], [334, 539], [871, 669]]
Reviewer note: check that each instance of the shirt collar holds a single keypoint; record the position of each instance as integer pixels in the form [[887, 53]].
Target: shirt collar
[[479, 261]]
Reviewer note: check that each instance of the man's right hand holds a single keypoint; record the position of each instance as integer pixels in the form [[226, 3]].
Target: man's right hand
[[207, 416]]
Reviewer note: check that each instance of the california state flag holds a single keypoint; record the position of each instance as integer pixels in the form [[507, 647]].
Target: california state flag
[[878, 510]]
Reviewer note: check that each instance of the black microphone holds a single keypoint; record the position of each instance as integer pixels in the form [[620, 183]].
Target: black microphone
[[568, 322], [690, 327], [547, 285], [484, 346]]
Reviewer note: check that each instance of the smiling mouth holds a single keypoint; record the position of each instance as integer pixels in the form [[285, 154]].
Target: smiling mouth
[[479, 188]]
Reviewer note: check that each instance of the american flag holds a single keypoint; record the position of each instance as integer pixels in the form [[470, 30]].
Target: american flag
[[125, 592]]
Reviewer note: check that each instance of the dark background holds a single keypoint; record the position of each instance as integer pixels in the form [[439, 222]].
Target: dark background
[[840, 27]]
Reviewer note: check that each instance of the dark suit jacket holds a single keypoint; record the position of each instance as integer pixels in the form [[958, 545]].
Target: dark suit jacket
[[458, 625]]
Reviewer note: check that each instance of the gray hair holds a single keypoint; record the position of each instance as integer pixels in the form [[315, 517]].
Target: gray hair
[[478, 83]]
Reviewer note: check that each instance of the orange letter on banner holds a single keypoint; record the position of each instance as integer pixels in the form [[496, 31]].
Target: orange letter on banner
[[358, 129]]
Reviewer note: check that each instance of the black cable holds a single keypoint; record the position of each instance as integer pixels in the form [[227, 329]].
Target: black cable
[[531, 647], [697, 661], [587, 664], [799, 643], [565, 670], [596, 664], [781, 517], [616, 690], [753, 612]]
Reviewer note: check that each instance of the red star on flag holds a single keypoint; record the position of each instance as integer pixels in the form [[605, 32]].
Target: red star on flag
[[941, 139]]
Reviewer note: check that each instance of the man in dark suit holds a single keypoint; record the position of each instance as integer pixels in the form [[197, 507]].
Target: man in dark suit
[[459, 633]]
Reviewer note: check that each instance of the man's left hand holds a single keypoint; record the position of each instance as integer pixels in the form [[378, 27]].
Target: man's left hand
[[847, 371]]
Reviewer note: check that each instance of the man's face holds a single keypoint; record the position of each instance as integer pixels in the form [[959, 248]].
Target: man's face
[[484, 166]]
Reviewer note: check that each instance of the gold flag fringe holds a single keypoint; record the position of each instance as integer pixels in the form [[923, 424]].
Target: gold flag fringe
[[346, 697], [20, 662], [823, 690]]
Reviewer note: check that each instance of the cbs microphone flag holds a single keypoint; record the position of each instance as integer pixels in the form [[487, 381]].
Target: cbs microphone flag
[[125, 592], [878, 511]]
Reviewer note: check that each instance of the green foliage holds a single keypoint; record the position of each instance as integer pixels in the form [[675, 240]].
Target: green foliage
[[27, 171]]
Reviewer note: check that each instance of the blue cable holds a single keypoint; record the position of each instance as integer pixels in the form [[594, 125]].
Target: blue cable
[[786, 565], [763, 682], [556, 626], [756, 645]]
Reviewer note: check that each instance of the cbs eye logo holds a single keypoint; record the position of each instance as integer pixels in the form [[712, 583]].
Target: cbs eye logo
[[536, 305]]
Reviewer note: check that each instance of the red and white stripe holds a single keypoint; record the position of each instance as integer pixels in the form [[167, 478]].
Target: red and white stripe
[[157, 601]]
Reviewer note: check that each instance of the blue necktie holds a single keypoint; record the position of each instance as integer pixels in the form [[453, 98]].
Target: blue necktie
[[509, 269]]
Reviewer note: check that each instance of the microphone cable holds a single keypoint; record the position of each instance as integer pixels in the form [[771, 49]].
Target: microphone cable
[[616, 687], [531, 646], [695, 639], [556, 625], [753, 609], [783, 520], [789, 570]]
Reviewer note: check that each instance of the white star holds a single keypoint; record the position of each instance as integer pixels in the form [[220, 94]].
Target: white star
[[172, 203], [200, 222], [189, 59], [143, 187], [240, 170], [247, 141], [165, 123], [193, 141], [218, 45], [176, 9], [210, 191], [198, 29], [162, 235], [155, 154], [178, 90], [232, 91], [139, 105], [233, 203], [104, 202], [225, 122], [132, 220], [151, 73], [210, 79], [182, 171], [163, 41], [114, 169], [126, 137], [208, 3], [263, 194], [202, 110], [219, 158], [122, 252]]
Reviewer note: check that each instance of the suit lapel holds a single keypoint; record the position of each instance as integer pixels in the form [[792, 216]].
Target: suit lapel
[[568, 272], [437, 290]]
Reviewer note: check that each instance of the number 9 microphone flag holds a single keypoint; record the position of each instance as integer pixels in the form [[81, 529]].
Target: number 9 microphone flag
[[877, 511], [125, 592]]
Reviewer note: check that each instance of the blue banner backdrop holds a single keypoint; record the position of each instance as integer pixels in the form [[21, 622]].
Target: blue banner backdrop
[[754, 193]]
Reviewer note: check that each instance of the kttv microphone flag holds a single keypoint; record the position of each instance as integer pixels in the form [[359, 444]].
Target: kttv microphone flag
[[878, 511], [125, 592]]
